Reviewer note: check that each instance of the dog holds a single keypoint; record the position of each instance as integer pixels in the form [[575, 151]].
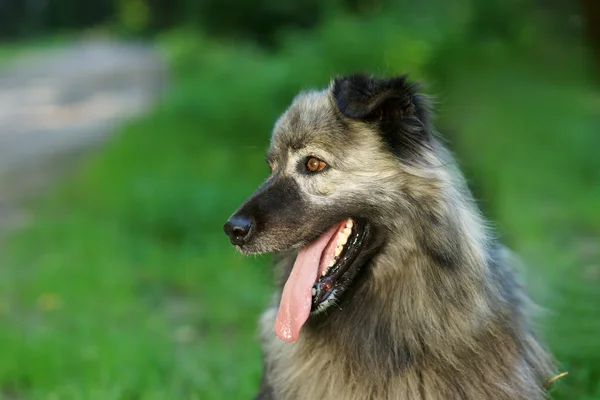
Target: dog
[[390, 284]]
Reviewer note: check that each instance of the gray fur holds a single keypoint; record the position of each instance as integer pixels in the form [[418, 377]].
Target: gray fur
[[437, 312]]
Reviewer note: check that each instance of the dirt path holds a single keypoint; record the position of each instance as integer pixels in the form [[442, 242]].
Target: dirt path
[[58, 104]]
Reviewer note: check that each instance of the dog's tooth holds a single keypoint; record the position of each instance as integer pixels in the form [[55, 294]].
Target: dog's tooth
[[331, 263], [347, 231], [324, 272], [338, 251], [313, 292], [342, 237], [349, 223]]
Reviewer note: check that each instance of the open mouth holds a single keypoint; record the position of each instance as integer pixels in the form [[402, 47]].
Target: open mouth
[[346, 245], [322, 271]]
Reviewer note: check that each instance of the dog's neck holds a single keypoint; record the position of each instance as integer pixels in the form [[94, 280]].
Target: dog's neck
[[434, 282]]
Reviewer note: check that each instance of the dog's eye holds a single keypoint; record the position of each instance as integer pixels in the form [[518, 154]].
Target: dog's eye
[[315, 165]]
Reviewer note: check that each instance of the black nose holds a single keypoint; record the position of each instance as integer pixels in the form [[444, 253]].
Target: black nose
[[238, 229]]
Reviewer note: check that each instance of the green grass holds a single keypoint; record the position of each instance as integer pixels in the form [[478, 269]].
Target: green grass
[[125, 287], [12, 50]]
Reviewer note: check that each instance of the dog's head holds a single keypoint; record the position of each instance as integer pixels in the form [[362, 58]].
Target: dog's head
[[339, 160]]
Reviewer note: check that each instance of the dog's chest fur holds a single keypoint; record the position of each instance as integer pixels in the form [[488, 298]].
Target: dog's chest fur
[[313, 368], [308, 370]]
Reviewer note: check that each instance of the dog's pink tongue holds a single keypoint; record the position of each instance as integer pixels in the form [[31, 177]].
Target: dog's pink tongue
[[296, 298]]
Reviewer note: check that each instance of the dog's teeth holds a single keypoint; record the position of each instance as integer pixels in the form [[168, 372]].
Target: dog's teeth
[[349, 224], [338, 251], [347, 232], [313, 292], [331, 263], [324, 272]]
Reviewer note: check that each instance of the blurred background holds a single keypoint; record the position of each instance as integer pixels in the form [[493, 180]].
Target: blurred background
[[131, 129]]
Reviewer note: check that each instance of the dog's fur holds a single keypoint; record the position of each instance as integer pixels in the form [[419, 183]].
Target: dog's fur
[[436, 311]]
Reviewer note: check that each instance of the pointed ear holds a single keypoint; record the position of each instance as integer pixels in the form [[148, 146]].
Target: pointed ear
[[395, 104]]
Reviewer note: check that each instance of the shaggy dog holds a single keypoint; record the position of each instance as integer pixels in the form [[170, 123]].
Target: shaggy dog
[[391, 286]]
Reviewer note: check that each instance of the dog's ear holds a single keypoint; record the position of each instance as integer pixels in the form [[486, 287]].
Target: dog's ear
[[396, 105]]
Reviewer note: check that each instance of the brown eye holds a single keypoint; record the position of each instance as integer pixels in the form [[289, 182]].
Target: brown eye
[[315, 165]]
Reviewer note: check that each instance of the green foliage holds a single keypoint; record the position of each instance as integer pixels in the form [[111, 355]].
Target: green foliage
[[125, 287], [133, 15], [263, 21]]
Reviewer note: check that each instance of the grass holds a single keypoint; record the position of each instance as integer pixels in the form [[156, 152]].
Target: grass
[[124, 286], [12, 50], [112, 293]]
